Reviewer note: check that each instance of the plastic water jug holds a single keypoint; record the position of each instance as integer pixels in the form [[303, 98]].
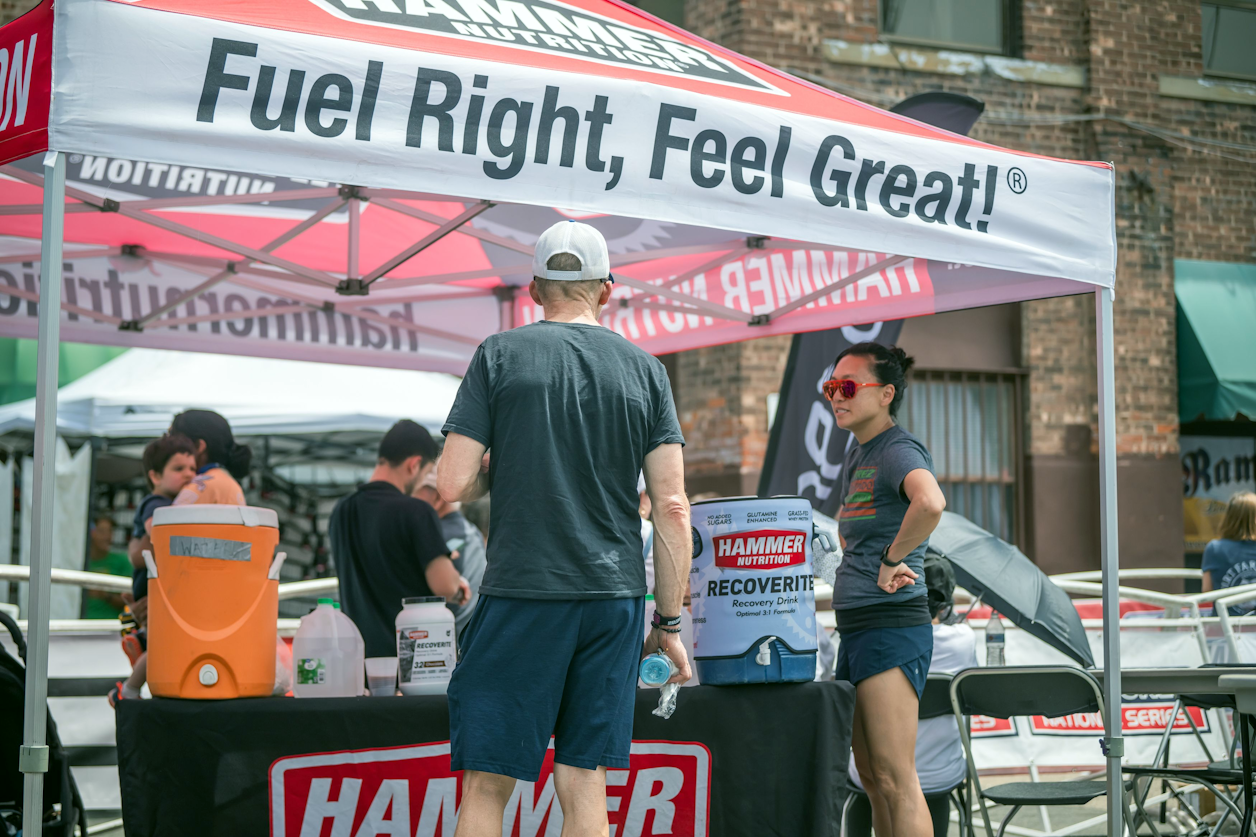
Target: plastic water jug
[[753, 592], [351, 626], [327, 655]]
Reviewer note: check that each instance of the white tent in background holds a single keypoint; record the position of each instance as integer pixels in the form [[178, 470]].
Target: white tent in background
[[138, 393]]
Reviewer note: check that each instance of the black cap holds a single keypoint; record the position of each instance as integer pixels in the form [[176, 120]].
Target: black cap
[[940, 581], [409, 600]]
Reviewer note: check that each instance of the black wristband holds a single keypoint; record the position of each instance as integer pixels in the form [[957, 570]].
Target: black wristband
[[660, 621], [666, 630], [885, 554]]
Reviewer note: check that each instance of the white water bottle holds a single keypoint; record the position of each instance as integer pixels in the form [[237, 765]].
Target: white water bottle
[[994, 640]]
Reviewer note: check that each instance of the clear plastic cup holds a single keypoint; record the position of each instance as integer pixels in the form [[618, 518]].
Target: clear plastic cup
[[381, 675]]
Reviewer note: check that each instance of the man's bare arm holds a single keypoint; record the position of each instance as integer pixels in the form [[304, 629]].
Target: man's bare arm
[[443, 578], [463, 474], [673, 547]]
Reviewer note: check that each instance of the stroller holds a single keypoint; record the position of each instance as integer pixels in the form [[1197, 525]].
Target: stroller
[[63, 807]]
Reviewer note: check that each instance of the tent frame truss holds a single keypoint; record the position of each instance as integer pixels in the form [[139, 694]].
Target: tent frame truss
[[261, 263]]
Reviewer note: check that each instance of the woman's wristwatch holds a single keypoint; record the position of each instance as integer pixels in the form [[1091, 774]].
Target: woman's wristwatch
[[666, 624], [885, 557]]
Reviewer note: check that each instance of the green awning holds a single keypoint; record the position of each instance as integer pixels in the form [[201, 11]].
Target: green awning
[[1216, 324]]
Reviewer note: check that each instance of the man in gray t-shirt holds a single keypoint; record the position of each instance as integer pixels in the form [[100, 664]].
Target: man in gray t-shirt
[[571, 412]]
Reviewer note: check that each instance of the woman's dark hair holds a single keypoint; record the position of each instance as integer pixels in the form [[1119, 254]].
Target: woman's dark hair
[[890, 365], [220, 445]]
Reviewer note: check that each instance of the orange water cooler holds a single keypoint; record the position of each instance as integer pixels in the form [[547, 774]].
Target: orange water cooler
[[213, 601]]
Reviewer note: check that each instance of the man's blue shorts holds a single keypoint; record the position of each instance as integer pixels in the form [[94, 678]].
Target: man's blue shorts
[[533, 668]]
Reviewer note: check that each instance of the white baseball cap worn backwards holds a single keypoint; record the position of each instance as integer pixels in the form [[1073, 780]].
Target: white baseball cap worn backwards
[[580, 240]]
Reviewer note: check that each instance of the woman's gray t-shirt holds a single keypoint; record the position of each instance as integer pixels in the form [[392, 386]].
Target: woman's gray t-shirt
[[873, 507]]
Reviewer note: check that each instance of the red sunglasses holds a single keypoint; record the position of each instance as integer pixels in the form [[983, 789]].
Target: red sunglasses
[[845, 386]]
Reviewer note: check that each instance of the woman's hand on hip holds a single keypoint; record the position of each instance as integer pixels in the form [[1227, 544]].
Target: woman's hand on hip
[[893, 579]]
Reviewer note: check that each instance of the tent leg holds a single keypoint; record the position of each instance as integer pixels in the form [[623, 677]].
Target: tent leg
[[34, 755], [1115, 744]]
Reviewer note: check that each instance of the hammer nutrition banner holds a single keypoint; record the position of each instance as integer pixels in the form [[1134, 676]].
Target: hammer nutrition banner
[[380, 766], [411, 791], [586, 105], [262, 318]]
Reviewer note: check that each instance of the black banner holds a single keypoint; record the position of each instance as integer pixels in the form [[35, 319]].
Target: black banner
[[806, 447], [733, 760]]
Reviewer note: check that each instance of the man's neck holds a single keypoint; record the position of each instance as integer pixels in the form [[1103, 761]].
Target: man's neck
[[571, 313], [382, 473]]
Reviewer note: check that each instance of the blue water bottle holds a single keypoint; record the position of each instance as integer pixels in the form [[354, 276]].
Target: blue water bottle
[[656, 670]]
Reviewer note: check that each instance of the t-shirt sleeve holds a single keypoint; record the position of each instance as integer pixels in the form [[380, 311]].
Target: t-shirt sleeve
[[666, 428], [472, 413], [151, 504], [1213, 559], [903, 457], [429, 540]]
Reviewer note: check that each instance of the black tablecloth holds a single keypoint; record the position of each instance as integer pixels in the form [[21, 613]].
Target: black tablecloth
[[777, 758]]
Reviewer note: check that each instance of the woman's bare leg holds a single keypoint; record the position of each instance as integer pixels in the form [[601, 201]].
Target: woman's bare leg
[[884, 743]]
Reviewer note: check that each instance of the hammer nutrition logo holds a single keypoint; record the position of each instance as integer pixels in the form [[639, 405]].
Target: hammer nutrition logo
[[546, 26], [764, 549], [411, 791]]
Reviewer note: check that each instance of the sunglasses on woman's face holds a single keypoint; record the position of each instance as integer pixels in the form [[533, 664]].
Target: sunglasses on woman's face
[[844, 387]]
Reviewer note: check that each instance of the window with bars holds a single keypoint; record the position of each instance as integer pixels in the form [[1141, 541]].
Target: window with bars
[[971, 424]]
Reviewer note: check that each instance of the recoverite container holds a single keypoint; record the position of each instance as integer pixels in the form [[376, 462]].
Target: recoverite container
[[213, 601], [427, 648], [752, 591]]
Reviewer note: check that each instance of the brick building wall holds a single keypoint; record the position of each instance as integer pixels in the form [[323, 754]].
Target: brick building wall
[[1172, 202], [1138, 60], [10, 9]]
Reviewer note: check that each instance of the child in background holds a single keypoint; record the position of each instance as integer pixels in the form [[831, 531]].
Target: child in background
[[170, 464]]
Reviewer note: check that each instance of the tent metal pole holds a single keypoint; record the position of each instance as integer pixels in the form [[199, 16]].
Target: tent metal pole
[[33, 758], [1114, 745], [355, 238]]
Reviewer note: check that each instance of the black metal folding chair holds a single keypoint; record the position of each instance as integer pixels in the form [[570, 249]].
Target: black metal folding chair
[[1007, 692], [934, 703], [1215, 776]]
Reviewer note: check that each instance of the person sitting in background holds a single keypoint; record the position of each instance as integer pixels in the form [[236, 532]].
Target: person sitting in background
[[940, 762], [387, 545], [169, 465], [102, 604], [220, 462], [1230, 560], [466, 545]]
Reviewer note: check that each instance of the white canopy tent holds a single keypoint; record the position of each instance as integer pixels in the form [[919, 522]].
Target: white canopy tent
[[752, 203], [137, 394]]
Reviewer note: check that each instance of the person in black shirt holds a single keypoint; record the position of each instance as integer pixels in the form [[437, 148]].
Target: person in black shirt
[[388, 545]]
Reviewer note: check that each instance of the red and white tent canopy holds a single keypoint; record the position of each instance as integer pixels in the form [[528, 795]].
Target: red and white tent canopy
[[234, 168], [242, 173]]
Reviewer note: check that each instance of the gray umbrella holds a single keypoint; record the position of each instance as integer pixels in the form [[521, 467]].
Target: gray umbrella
[[1010, 583]]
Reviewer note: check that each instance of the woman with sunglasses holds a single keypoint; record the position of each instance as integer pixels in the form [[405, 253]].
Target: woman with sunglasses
[[891, 503]]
